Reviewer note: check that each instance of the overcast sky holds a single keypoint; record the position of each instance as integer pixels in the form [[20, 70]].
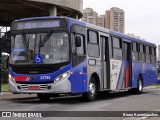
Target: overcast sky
[[142, 17]]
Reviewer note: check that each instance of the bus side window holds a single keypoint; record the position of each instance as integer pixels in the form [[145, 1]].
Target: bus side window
[[135, 51], [117, 48], [141, 53], [148, 57], [153, 55]]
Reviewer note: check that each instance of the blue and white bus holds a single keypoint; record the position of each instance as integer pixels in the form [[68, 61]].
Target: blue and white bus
[[60, 55]]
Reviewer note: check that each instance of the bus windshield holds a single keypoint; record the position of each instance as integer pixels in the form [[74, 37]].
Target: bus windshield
[[53, 47]]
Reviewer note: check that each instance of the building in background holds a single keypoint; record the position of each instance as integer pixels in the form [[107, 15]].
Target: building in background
[[107, 19], [90, 16], [101, 21], [115, 19]]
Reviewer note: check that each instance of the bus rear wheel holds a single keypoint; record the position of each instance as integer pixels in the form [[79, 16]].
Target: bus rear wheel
[[43, 97], [139, 88], [140, 85], [91, 94]]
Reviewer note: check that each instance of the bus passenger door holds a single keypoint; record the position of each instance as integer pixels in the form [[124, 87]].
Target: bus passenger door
[[127, 64], [105, 62], [79, 65]]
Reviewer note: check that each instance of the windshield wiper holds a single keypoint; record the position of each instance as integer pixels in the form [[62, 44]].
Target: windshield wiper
[[24, 39], [45, 39]]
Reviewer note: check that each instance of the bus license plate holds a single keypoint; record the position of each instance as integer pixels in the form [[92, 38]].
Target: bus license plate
[[34, 87]]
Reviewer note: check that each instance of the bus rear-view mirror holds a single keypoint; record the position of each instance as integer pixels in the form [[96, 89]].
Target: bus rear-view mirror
[[78, 41]]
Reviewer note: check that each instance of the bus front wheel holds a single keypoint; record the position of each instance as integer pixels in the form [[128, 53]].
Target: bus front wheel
[[91, 94], [43, 97]]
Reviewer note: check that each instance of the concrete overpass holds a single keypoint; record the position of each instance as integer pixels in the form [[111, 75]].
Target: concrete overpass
[[16, 9]]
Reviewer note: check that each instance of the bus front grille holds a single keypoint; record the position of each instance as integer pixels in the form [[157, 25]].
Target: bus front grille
[[41, 86]]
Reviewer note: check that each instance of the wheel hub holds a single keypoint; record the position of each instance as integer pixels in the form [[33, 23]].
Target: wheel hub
[[92, 89], [140, 86]]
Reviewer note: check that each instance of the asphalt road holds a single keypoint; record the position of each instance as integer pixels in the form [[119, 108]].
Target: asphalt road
[[124, 101]]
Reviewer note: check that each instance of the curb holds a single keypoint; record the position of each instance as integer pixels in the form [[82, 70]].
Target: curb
[[152, 87], [5, 93]]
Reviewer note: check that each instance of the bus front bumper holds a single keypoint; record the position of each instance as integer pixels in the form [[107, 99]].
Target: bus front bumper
[[59, 87]]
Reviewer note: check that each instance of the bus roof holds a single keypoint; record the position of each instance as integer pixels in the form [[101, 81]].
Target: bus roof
[[131, 38], [35, 18], [98, 28]]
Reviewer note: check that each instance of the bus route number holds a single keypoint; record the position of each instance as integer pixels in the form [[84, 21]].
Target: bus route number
[[45, 77]]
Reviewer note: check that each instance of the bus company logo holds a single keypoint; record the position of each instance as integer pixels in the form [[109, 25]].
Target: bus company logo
[[115, 67], [6, 114], [30, 78]]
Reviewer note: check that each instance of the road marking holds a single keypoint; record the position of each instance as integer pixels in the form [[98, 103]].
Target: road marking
[[142, 118], [135, 118]]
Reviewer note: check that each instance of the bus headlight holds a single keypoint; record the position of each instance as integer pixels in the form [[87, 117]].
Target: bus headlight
[[10, 77], [62, 76]]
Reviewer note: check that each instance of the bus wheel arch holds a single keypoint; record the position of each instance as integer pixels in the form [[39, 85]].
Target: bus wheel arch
[[97, 80], [93, 87]]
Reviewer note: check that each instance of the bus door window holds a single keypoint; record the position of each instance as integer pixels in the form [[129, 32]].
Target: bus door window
[[127, 53], [78, 58], [93, 44], [78, 52], [117, 67], [127, 56], [105, 62], [117, 48]]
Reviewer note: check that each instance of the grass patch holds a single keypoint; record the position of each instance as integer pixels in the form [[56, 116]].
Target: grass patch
[[156, 85], [5, 87]]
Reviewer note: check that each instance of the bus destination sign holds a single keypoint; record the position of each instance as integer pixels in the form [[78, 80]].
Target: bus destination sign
[[38, 24]]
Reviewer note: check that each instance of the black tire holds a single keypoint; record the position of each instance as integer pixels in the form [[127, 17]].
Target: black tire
[[91, 94], [55, 95], [44, 97], [139, 88]]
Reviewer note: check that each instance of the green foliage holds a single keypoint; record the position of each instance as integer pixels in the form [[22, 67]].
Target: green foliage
[[4, 75], [5, 87]]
